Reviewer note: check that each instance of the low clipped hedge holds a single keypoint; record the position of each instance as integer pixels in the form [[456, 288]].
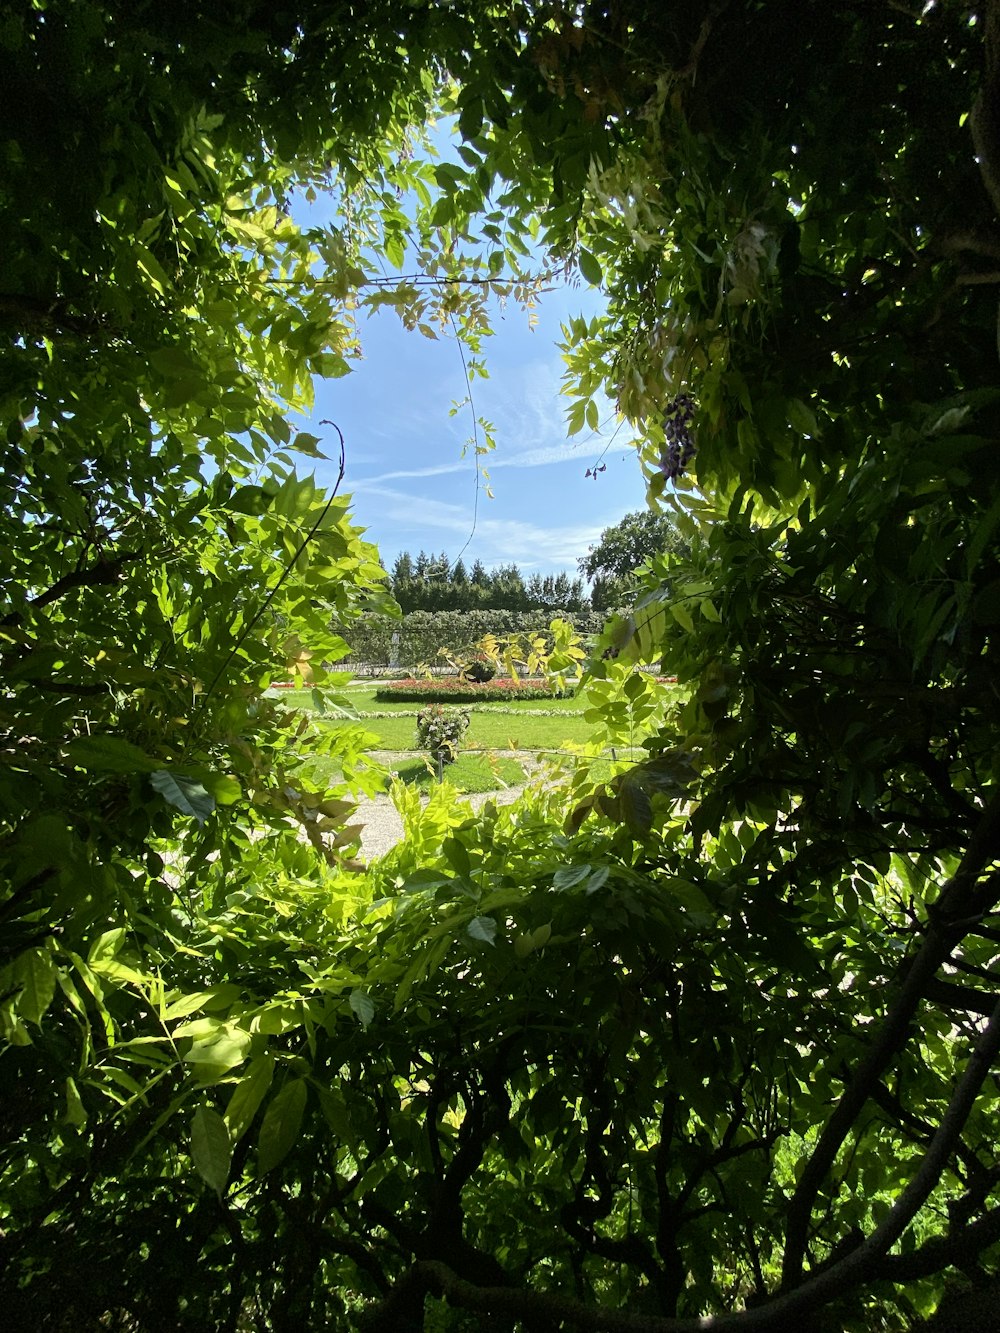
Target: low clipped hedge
[[453, 690]]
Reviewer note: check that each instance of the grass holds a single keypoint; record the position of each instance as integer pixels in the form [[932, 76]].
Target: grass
[[486, 732], [469, 773], [362, 698], [521, 726], [527, 725]]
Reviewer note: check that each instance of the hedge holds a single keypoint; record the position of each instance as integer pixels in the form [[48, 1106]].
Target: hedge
[[453, 690], [420, 635]]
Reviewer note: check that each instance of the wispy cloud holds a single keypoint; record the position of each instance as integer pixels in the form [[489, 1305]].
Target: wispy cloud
[[567, 451], [496, 540], [526, 404]]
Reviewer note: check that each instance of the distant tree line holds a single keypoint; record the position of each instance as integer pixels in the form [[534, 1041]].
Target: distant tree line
[[433, 583]]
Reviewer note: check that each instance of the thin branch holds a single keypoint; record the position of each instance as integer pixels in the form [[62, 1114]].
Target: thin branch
[[52, 686], [102, 572], [475, 440]]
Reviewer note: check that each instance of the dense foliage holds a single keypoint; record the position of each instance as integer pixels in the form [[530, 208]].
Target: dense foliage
[[610, 564], [710, 1035]]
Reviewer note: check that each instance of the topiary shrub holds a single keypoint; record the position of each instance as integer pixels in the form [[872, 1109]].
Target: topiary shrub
[[439, 730]]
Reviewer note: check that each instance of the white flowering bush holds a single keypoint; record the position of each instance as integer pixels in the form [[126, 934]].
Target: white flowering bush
[[440, 730]]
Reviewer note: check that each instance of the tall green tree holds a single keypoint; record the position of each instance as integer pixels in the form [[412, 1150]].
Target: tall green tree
[[611, 563]]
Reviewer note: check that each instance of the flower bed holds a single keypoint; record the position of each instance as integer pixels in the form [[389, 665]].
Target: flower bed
[[453, 690]]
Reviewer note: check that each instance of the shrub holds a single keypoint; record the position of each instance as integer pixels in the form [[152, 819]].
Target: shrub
[[452, 689], [440, 730]]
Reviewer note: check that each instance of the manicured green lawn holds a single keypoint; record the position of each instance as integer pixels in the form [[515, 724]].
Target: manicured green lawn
[[486, 732], [469, 773], [527, 725], [513, 726], [362, 698]]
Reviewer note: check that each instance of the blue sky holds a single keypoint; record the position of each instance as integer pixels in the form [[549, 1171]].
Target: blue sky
[[412, 489]]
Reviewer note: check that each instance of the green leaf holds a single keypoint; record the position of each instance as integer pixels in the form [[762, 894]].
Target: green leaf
[[248, 1095], [470, 120], [363, 1006], [214, 998], [308, 444], [151, 266], [211, 1150], [106, 947], [75, 1113], [33, 976], [109, 754], [801, 417], [637, 808], [421, 880], [457, 856], [568, 877], [223, 790], [222, 1048], [251, 500], [690, 895], [175, 363], [483, 928], [187, 794], [597, 880], [280, 1126], [682, 615], [590, 268]]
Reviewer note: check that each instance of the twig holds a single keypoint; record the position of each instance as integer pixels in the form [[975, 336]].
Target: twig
[[475, 439]]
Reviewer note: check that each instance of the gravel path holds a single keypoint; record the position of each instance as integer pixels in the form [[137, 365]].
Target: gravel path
[[383, 827]]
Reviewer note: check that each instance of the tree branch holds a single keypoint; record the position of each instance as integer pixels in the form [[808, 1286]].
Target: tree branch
[[102, 572], [957, 901], [44, 317], [862, 1263]]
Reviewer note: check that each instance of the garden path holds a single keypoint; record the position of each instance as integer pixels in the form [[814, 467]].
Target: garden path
[[382, 827]]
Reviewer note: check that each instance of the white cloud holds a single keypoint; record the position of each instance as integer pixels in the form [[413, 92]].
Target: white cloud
[[567, 451], [496, 541], [526, 403]]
